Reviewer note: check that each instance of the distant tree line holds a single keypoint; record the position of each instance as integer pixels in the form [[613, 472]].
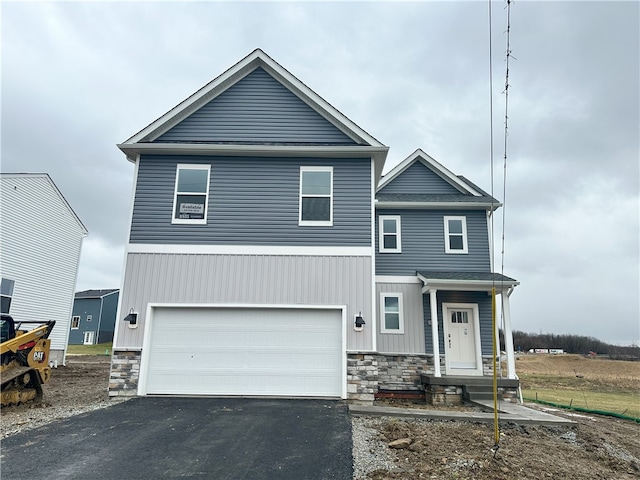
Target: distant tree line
[[572, 344]]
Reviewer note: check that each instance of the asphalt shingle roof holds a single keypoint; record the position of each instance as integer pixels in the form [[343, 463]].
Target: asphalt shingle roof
[[435, 198], [467, 276], [95, 293]]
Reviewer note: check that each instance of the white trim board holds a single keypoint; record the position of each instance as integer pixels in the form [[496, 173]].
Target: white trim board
[[397, 279], [251, 250]]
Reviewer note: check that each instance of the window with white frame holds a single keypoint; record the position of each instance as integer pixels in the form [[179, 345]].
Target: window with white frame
[[89, 318], [392, 315], [455, 235], [389, 234], [191, 196], [75, 322], [316, 196]]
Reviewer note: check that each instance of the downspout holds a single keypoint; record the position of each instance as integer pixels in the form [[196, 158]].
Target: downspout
[[374, 316]]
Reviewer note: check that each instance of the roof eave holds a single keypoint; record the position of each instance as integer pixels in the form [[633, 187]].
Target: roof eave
[[377, 153], [469, 285]]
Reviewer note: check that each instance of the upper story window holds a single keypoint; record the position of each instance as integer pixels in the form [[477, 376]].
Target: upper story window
[[75, 322], [6, 294], [316, 196], [89, 318], [455, 235], [392, 315], [389, 234], [191, 196]]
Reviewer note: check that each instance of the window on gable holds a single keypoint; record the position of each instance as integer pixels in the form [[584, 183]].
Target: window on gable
[[75, 323], [389, 234], [6, 294], [89, 318], [191, 196], [392, 315], [316, 196], [455, 235]]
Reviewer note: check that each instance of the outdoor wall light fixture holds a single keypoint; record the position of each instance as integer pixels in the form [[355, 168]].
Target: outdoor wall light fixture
[[359, 323], [132, 318]]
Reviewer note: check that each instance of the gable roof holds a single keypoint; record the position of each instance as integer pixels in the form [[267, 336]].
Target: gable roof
[[56, 190], [469, 194], [257, 109], [365, 144], [96, 293]]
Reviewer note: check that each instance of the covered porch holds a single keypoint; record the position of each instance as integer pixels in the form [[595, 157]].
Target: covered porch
[[458, 321]]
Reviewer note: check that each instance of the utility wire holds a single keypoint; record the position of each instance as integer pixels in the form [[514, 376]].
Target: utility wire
[[504, 169], [496, 420]]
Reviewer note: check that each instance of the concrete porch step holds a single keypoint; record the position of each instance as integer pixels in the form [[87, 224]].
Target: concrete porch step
[[486, 381], [479, 396]]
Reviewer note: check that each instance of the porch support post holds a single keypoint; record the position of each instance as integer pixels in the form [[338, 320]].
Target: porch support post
[[508, 334], [433, 302]]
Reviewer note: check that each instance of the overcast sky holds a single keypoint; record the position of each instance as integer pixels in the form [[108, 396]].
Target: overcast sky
[[77, 78]]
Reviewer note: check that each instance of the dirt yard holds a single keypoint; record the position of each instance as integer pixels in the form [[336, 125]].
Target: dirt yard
[[79, 387], [595, 448]]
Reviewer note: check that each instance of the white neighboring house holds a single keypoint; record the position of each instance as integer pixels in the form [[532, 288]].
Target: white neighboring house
[[40, 244]]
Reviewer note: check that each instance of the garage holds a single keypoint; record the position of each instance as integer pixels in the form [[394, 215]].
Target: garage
[[291, 352]]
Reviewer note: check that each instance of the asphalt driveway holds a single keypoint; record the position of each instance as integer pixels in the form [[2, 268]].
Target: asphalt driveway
[[158, 438]]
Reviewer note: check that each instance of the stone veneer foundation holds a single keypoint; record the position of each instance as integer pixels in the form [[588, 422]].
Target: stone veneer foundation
[[125, 372], [367, 373]]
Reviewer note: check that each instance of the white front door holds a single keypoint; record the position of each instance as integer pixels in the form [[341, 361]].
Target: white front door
[[88, 338], [462, 339]]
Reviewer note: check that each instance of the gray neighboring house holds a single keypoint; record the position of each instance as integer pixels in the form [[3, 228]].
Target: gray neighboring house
[[267, 256], [40, 244], [93, 319]]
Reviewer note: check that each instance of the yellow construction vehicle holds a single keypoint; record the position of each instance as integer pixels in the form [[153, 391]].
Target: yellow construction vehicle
[[24, 364]]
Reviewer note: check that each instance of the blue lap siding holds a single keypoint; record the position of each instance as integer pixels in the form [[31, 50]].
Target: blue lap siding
[[419, 179], [423, 243], [252, 201]]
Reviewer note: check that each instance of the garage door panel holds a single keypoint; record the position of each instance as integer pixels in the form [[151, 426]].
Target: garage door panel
[[223, 351]]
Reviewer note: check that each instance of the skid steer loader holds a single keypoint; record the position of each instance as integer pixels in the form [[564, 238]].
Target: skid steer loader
[[24, 357]]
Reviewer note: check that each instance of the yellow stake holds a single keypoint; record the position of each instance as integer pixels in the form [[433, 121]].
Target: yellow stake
[[496, 430]]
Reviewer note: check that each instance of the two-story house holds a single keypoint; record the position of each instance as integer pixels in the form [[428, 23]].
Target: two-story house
[[40, 244], [253, 264], [93, 319]]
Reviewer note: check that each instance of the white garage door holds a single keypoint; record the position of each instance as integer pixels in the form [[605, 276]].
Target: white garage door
[[244, 351]]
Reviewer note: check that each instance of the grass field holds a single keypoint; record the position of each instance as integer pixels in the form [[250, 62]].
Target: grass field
[[592, 383], [99, 349]]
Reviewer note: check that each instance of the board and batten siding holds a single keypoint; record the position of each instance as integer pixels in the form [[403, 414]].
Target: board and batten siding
[[41, 242], [257, 109], [412, 340], [418, 178], [423, 243], [483, 299], [252, 201], [246, 280]]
